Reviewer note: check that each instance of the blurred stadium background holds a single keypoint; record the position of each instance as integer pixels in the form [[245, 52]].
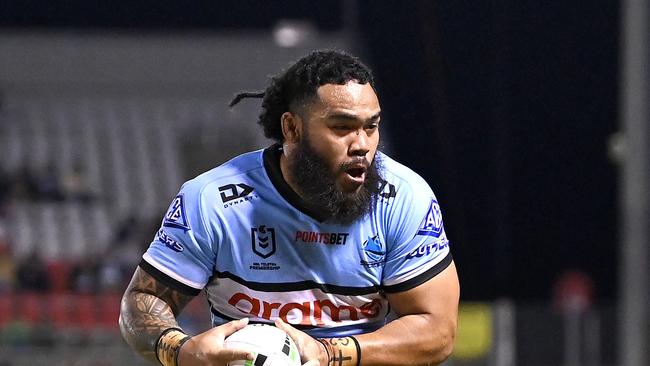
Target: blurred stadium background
[[529, 120]]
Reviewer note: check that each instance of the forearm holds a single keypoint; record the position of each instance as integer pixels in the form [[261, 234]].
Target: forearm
[[418, 339], [423, 333], [148, 308], [143, 317]]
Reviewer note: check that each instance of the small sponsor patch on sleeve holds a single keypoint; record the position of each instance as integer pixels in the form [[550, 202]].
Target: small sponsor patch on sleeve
[[175, 216], [169, 241], [429, 249], [432, 223]]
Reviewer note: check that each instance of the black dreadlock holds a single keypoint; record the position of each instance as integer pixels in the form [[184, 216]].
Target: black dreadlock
[[299, 83], [243, 95]]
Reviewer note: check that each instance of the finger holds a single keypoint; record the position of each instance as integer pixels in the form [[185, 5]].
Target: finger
[[311, 363], [233, 326], [238, 354]]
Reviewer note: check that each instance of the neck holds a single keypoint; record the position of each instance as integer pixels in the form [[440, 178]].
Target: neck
[[286, 172]]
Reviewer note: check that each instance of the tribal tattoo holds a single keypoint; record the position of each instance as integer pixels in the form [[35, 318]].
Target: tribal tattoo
[[148, 308]]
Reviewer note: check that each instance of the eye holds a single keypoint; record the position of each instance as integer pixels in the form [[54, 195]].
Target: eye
[[372, 126], [342, 127]]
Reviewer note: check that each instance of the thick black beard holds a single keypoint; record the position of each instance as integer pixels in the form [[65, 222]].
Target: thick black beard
[[319, 189]]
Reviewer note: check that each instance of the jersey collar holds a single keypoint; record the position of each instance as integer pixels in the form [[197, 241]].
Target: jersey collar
[[272, 165]]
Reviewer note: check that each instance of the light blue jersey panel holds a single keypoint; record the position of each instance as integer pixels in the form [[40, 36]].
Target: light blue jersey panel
[[239, 232]]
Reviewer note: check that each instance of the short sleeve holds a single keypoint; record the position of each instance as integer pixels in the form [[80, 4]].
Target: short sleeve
[[181, 254], [418, 248]]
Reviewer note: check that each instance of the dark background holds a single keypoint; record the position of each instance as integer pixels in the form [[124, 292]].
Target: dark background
[[505, 107]]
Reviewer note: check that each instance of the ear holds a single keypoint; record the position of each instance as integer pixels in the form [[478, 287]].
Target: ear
[[291, 127]]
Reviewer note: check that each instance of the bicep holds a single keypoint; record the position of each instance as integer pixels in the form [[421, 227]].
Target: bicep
[[148, 308], [437, 296], [423, 332]]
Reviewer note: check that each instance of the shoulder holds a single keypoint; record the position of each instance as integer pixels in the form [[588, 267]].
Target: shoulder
[[407, 202], [204, 195], [239, 168], [198, 205], [401, 181]]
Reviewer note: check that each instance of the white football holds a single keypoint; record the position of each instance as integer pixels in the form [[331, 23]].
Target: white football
[[271, 346]]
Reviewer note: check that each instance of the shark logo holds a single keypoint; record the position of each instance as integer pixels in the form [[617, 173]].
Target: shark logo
[[373, 252]]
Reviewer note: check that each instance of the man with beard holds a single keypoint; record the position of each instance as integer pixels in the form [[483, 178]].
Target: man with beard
[[320, 234]]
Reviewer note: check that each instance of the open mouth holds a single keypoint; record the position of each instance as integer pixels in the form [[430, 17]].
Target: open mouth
[[356, 172]]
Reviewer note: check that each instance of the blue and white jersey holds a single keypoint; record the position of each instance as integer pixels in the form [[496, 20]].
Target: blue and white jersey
[[242, 234]]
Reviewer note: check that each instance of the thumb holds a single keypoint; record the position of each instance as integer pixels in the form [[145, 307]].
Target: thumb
[[284, 326], [294, 333]]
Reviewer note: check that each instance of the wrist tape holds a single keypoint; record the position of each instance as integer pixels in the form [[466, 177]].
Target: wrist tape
[[343, 351], [169, 344]]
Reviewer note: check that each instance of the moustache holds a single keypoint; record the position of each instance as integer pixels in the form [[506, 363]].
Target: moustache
[[355, 163]]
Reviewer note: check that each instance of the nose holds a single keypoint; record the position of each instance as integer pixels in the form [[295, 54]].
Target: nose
[[360, 144]]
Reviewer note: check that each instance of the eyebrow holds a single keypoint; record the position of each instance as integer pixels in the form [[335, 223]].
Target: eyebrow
[[349, 116]]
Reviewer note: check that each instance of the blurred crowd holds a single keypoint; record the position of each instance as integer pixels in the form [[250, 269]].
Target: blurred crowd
[[107, 271]]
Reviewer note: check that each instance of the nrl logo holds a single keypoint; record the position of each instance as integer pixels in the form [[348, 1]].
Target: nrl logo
[[263, 240]]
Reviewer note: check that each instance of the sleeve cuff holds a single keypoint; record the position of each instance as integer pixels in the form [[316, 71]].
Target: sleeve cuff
[[168, 281], [421, 278]]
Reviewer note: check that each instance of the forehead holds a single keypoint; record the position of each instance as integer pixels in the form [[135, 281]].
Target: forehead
[[351, 96]]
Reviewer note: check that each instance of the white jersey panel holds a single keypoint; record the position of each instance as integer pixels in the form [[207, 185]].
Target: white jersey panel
[[310, 307]]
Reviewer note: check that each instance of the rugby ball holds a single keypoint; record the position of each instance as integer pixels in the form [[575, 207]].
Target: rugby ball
[[270, 345]]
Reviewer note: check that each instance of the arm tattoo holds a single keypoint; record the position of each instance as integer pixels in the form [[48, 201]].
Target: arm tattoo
[[148, 308], [343, 351]]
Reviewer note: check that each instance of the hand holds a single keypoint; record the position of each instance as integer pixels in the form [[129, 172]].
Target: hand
[[312, 352], [311, 363], [207, 348]]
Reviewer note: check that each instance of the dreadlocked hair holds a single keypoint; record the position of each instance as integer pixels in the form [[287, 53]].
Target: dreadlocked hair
[[299, 83]]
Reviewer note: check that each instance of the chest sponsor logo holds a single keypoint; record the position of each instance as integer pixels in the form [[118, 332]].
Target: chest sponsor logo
[[169, 241], [321, 311], [432, 223], [233, 194], [175, 216], [428, 249], [263, 241], [373, 252], [321, 238]]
